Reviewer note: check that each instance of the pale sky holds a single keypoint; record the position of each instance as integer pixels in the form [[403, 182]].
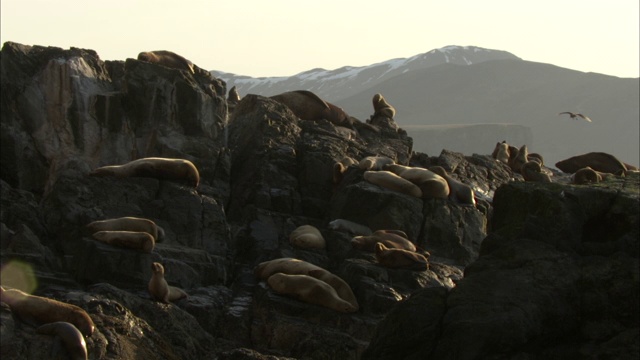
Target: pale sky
[[286, 37]]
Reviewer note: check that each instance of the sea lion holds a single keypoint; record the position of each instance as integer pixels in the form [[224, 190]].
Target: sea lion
[[161, 168], [532, 171], [458, 191], [307, 237], [159, 289], [400, 259], [135, 240], [374, 162], [309, 106], [381, 107], [501, 152], [516, 162], [70, 336], [535, 157], [390, 239], [340, 167], [309, 290], [586, 175], [42, 310], [234, 96], [168, 59], [349, 226], [293, 266], [128, 223], [431, 184], [391, 181], [598, 161]]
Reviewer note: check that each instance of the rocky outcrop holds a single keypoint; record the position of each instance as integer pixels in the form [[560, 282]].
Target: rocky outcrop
[[263, 173]]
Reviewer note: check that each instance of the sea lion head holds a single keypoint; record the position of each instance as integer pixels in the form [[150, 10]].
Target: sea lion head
[[157, 268]]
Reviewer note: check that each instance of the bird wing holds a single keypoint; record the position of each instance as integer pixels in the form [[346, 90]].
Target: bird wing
[[584, 117], [565, 112]]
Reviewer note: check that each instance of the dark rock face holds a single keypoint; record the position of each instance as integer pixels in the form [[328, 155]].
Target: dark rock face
[[263, 173]]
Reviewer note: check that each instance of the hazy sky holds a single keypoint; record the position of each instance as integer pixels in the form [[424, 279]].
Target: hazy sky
[[285, 37]]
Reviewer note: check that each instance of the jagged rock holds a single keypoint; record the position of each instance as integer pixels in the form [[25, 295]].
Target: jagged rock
[[263, 174]]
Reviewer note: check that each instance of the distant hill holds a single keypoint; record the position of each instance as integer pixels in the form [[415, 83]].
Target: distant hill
[[470, 85]]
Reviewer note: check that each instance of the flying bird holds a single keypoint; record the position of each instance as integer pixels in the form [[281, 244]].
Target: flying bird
[[574, 115]]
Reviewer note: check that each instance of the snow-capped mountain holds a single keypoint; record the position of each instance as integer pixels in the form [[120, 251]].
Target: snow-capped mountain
[[340, 83]]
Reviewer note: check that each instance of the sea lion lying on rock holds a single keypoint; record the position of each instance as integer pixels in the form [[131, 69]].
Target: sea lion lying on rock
[[309, 290], [160, 168], [134, 240], [168, 59], [598, 161], [349, 226], [587, 175], [293, 266], [374, 162], [307, 237], [391, 181], [128, 223], [42, 310], [400, 259], [532, 171], [70, 337], [390, 239], [431, 184], [458, 191]]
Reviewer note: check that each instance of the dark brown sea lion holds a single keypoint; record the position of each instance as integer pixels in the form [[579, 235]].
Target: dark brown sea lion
[[598, 161], [309, 106], [70, 336], [160, 168], [168, 59], [349, 226], [400, 259], [159, 289], [42, 310]]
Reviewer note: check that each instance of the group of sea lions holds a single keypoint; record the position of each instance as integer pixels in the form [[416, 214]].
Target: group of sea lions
[[414, 181], [393, 250], [591, 167]]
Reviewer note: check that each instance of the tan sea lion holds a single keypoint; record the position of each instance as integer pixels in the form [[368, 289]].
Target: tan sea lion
[[70, 336], [374, 162], [128, 223], [381, 107], [293, 266], [532, 171], [516, 162], [586, 175], [458, 191], [598, 161], [535, 157], [349, 226], [307, 237], [501, 152], [234, 96], [308, 106], [161, 168], [42, 310], [400, 259], [391, 181], [159, 289], [431, 184], [135, 240], [168, 59], [309, 290], [391, 240]]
